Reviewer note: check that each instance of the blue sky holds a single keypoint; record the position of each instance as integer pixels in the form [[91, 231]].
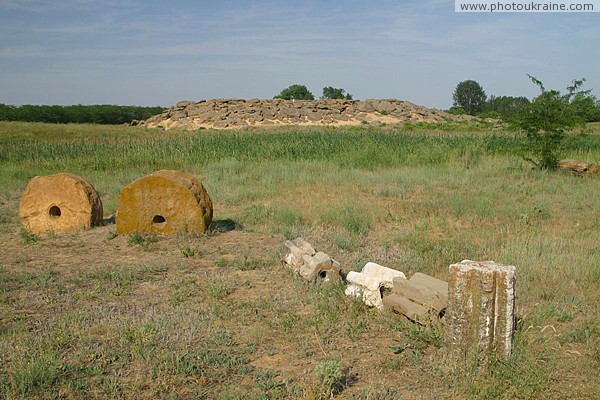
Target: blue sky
[[158, 52]]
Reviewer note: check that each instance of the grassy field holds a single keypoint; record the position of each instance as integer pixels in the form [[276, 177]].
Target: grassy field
[[95, 314]]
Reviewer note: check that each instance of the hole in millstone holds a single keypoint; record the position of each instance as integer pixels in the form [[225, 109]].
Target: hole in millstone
[[158, 219], [323, 274], [54, 212]]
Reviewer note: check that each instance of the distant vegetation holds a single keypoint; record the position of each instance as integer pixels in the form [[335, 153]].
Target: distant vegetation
[[295, 92], [335, 93], [470, 98], [546, 121], [301, 92], [504, 106], [80, 114]]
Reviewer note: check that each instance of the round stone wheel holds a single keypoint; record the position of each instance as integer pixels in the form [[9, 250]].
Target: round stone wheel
[[164, 202], [59, 203]]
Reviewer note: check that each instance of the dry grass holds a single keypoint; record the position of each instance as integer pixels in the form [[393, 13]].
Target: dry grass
[[93, 314]]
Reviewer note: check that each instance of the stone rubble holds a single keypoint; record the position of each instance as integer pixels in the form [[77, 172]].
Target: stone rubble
[[237, 113], [370, 282], [311, 265], [579, 168], [421, 298], [477, 303]]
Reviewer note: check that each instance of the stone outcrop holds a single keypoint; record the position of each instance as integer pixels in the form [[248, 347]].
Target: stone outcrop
[[310, 264], [237, 113], [480, 314], [164, 202], [59, 203]]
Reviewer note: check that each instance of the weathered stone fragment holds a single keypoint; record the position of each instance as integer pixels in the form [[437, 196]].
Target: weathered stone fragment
[[480, 314], [404, 306], [295, 250], [312, 266], [385, 276], [365, 287], [365, 107], [59, 203], [438, 285], [578, 168], [318, 266], [425, 290], [164, 202], [386, 105], [421, 298], [178, 114], [369, 283]]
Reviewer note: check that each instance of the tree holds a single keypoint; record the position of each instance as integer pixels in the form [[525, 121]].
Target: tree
[[94, 114], [295, 92], [546, 120], [586, 106], [470, 96], [505, 106], [335, 93]]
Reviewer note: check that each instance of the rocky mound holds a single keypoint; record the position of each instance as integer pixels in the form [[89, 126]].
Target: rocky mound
[[236, 113]]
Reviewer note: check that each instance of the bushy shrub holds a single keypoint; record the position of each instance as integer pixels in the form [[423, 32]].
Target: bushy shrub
[[546, 120]]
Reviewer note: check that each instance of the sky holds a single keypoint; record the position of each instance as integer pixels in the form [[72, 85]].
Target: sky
[[151, 53]]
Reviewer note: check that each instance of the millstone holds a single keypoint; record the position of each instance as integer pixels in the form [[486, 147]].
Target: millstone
[[59, 203], [164, 202]]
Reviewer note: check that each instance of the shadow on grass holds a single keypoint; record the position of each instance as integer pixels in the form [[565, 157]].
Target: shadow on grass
[[225, 225]]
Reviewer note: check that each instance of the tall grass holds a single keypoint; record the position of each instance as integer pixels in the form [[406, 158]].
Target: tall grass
[[368, 148]]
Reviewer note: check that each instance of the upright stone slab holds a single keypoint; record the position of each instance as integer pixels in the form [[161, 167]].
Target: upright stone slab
[[480, 314]]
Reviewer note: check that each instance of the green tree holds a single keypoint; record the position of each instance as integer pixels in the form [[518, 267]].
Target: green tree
[[596, 114], [94, 114], [586, 106], [470, 96], [7, 113], [505, 106], [335, 93], [546, 120], [295, 92]]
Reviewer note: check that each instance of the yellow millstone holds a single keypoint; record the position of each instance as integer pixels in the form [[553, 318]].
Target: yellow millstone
[[164, 202], [59, 203]]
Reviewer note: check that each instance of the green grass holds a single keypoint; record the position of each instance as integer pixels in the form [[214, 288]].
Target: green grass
[[415, 198]]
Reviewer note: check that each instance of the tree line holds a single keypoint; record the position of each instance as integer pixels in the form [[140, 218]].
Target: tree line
[[79, 114], [301, 92], [470, 98], [545, 121]]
